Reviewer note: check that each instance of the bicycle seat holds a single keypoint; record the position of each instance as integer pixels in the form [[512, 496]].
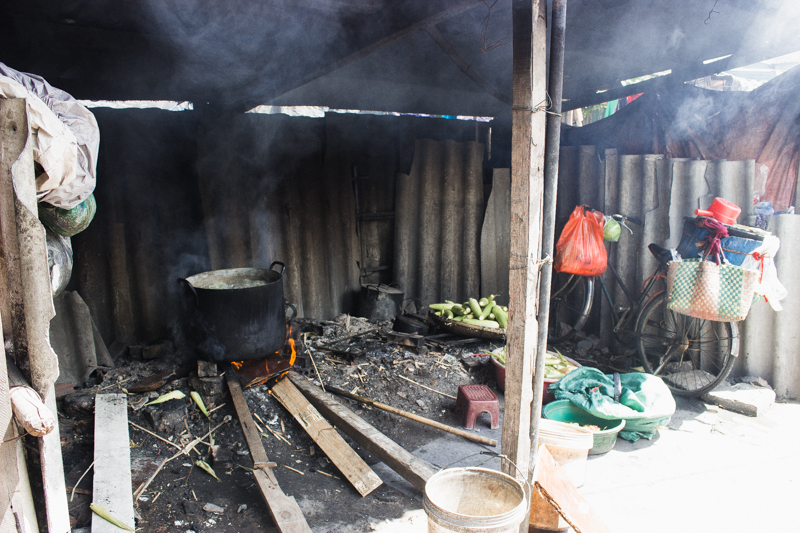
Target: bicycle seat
[[664, 255]]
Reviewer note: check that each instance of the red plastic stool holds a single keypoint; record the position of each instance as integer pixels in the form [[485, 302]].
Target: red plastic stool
[[474, 400]]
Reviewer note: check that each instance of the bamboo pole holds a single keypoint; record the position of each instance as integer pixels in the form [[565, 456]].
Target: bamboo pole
[[414, 417]]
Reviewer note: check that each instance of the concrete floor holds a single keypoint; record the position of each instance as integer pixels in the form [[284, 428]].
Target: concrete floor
[[709, 470]]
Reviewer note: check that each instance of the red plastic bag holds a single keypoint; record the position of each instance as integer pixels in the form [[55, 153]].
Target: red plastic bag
[[580, 248]]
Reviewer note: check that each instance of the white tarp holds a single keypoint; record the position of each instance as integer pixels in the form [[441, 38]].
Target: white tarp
[[65, 138]]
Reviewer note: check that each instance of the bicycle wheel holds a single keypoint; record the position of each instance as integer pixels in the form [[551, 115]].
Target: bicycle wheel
[[570, 305], [691, 355]]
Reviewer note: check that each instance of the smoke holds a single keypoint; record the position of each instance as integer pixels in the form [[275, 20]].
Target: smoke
[[676, 38], [248, 51]]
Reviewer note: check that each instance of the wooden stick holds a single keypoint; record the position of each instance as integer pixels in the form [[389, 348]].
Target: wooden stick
[[75, 488], [416, 418], [185, 450], [153, 434], [311, 356], [294, 470], [424, 387], [217, 407], [351, 337]]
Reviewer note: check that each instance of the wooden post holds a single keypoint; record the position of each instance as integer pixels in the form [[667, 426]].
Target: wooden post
[[527, 167]]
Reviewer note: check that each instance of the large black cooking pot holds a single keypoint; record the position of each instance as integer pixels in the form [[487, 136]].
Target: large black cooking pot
[[237, 314]]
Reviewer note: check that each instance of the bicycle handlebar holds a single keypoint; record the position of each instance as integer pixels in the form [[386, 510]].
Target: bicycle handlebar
[[622, 218]]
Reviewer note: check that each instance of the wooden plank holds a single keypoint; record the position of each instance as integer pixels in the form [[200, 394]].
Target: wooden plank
[[412, 469], [527, 177], [284, 509], [112, 462], [349, 463], [552, 487]]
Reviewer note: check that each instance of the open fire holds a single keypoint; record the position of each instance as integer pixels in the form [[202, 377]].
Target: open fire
[[258, 371]]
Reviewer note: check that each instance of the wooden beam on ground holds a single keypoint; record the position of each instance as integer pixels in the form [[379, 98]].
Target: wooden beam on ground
[[412, 469], [554, 494], [111, 488], [284, 509], [527, 175], [349, 463]]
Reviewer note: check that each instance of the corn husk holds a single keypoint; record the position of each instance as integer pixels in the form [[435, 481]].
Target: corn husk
[[174, 395], [205, 466], [105, 515], [199, 401], [557, 366]]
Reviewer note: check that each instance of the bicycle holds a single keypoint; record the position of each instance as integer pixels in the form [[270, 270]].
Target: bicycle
[[691, 355]]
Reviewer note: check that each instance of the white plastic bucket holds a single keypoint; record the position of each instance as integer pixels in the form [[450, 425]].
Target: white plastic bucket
[[569, 445], [474, 500]]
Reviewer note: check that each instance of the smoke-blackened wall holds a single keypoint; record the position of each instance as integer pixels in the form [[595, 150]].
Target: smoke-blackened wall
[[181, 193], [148, 229]]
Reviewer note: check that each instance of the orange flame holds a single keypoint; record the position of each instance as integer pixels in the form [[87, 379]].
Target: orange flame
[[237, 365], [294, 352]]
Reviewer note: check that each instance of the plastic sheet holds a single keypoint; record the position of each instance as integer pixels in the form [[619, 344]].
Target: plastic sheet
[[59, 261], [66, 142]]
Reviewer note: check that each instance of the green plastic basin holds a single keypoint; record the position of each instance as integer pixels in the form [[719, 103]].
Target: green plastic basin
[[566, 411]]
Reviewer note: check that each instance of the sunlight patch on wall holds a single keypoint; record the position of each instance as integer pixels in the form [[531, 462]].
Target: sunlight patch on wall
[[166, 105], [319, 112]]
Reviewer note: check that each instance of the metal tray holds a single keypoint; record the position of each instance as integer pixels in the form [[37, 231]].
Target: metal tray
[[468, 330]]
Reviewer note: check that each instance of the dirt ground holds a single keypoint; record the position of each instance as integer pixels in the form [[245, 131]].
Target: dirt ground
[[177, 496]]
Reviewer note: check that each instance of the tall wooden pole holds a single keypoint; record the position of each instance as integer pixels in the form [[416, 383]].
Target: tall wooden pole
[[527, 171]]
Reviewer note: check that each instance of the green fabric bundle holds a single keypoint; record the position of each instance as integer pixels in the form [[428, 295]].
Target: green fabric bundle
[[645, 402]]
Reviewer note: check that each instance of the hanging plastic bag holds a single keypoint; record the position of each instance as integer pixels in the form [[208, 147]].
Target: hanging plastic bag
[[580, 249], [612, 230]]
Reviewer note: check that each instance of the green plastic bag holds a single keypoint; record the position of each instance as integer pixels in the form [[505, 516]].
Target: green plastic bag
[[611, 230], [645, 402], [68, 222]]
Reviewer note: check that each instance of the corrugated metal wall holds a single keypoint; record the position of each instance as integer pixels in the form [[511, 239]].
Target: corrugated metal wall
[[148, 229], [660, 192], [440, 212], [183, 193]]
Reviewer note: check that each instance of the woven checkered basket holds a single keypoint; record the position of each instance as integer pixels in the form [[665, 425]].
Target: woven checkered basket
[[703, 289]]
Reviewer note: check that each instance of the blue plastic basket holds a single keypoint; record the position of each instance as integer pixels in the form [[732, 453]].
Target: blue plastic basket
[[736, 246]]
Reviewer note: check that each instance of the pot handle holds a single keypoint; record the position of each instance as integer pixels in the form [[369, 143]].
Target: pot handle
[[191, 287], [283, 267], [292, 307], [703, 213]]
